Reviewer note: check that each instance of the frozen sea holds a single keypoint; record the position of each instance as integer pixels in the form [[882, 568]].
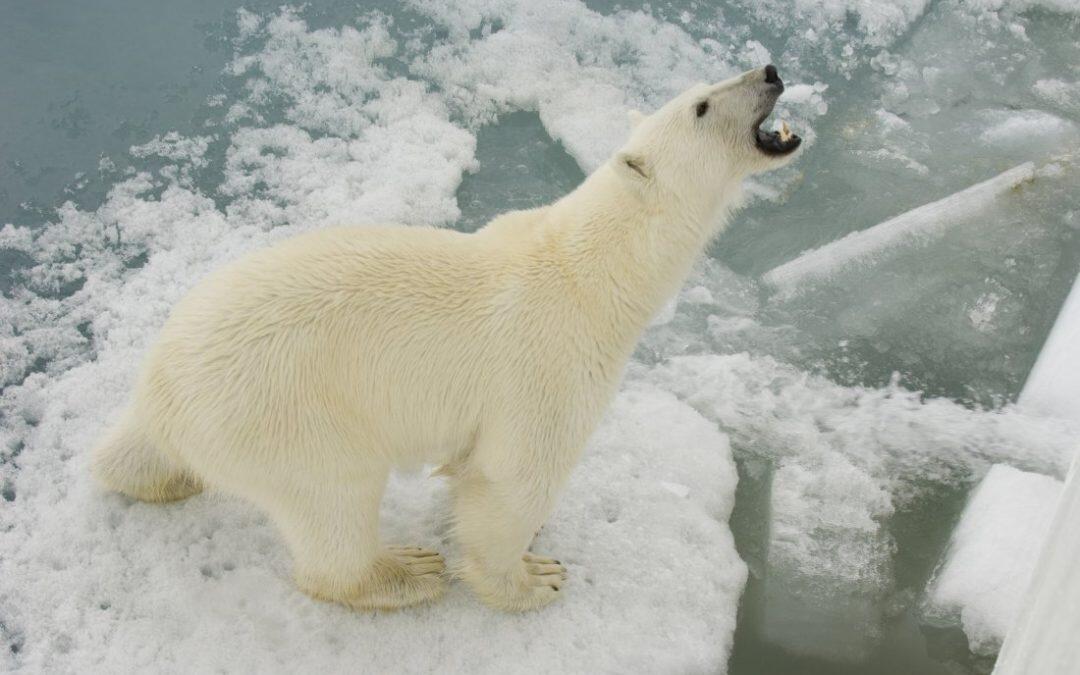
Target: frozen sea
[[791, 479]]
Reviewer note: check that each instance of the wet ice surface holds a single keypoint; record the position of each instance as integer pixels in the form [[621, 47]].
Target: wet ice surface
[[860, 409]]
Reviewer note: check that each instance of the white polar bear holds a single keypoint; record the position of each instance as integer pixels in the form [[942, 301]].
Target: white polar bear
[[300, 375]]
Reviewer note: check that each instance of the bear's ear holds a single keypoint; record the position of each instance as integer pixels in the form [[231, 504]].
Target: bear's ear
[[633, 165], [635, 117]]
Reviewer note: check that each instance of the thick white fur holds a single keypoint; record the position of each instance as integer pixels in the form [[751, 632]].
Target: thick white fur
[[300, 375]]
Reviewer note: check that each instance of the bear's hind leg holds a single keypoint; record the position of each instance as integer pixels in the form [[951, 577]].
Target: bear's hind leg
[[332, 531]]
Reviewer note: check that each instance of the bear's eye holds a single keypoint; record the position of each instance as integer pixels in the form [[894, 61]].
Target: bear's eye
[[702, 108]]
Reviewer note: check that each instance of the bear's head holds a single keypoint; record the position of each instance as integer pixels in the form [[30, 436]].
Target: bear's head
[[708, 137]]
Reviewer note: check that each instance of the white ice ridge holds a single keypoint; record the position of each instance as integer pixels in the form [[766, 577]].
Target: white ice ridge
[[1053, 386], [992, 555], [1043, 636], [924, 222], [1043, 639]]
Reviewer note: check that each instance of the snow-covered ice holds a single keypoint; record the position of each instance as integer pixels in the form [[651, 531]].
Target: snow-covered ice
[[96, 582], [992, 554]]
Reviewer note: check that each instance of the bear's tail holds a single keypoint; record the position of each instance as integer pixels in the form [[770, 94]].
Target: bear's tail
[[127, 461]]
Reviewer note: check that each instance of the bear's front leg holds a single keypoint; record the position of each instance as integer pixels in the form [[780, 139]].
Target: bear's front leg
[[496, 520]]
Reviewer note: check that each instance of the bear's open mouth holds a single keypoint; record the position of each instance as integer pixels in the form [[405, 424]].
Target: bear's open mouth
[[774, 142]]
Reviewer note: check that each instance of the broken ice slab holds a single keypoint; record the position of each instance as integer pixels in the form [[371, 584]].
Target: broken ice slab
[[1053, 386], [1043, 636], [991, 555], [924, 222], [828, 562]]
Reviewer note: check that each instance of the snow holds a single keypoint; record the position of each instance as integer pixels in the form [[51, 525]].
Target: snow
[[915, 227], [992, 554]]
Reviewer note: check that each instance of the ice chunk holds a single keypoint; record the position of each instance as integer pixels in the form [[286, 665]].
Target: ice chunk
[[175, 147], [927, 221], [1043, 636], [779, 413], [1065, 95], [1053, 386], [247, 23], [1025, 131], [992, 554]]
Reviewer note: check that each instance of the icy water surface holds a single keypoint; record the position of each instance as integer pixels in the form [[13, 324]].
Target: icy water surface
[[143, 145]]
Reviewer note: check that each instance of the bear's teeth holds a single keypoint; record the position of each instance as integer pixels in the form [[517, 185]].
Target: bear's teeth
[[785, 132]]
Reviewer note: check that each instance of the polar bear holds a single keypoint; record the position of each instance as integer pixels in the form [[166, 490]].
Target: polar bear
[[300, 375]]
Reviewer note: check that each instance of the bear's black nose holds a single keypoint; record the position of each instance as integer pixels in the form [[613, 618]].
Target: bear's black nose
[[770, 74]]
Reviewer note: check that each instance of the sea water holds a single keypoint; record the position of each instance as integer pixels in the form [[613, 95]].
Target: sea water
[[142, 146]]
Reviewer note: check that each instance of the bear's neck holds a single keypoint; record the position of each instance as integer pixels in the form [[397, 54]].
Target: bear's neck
[[625, 255]]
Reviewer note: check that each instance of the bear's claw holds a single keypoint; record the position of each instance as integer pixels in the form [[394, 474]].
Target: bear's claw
[[399, 577], [531, 585], [418, 561], [544, 571]]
